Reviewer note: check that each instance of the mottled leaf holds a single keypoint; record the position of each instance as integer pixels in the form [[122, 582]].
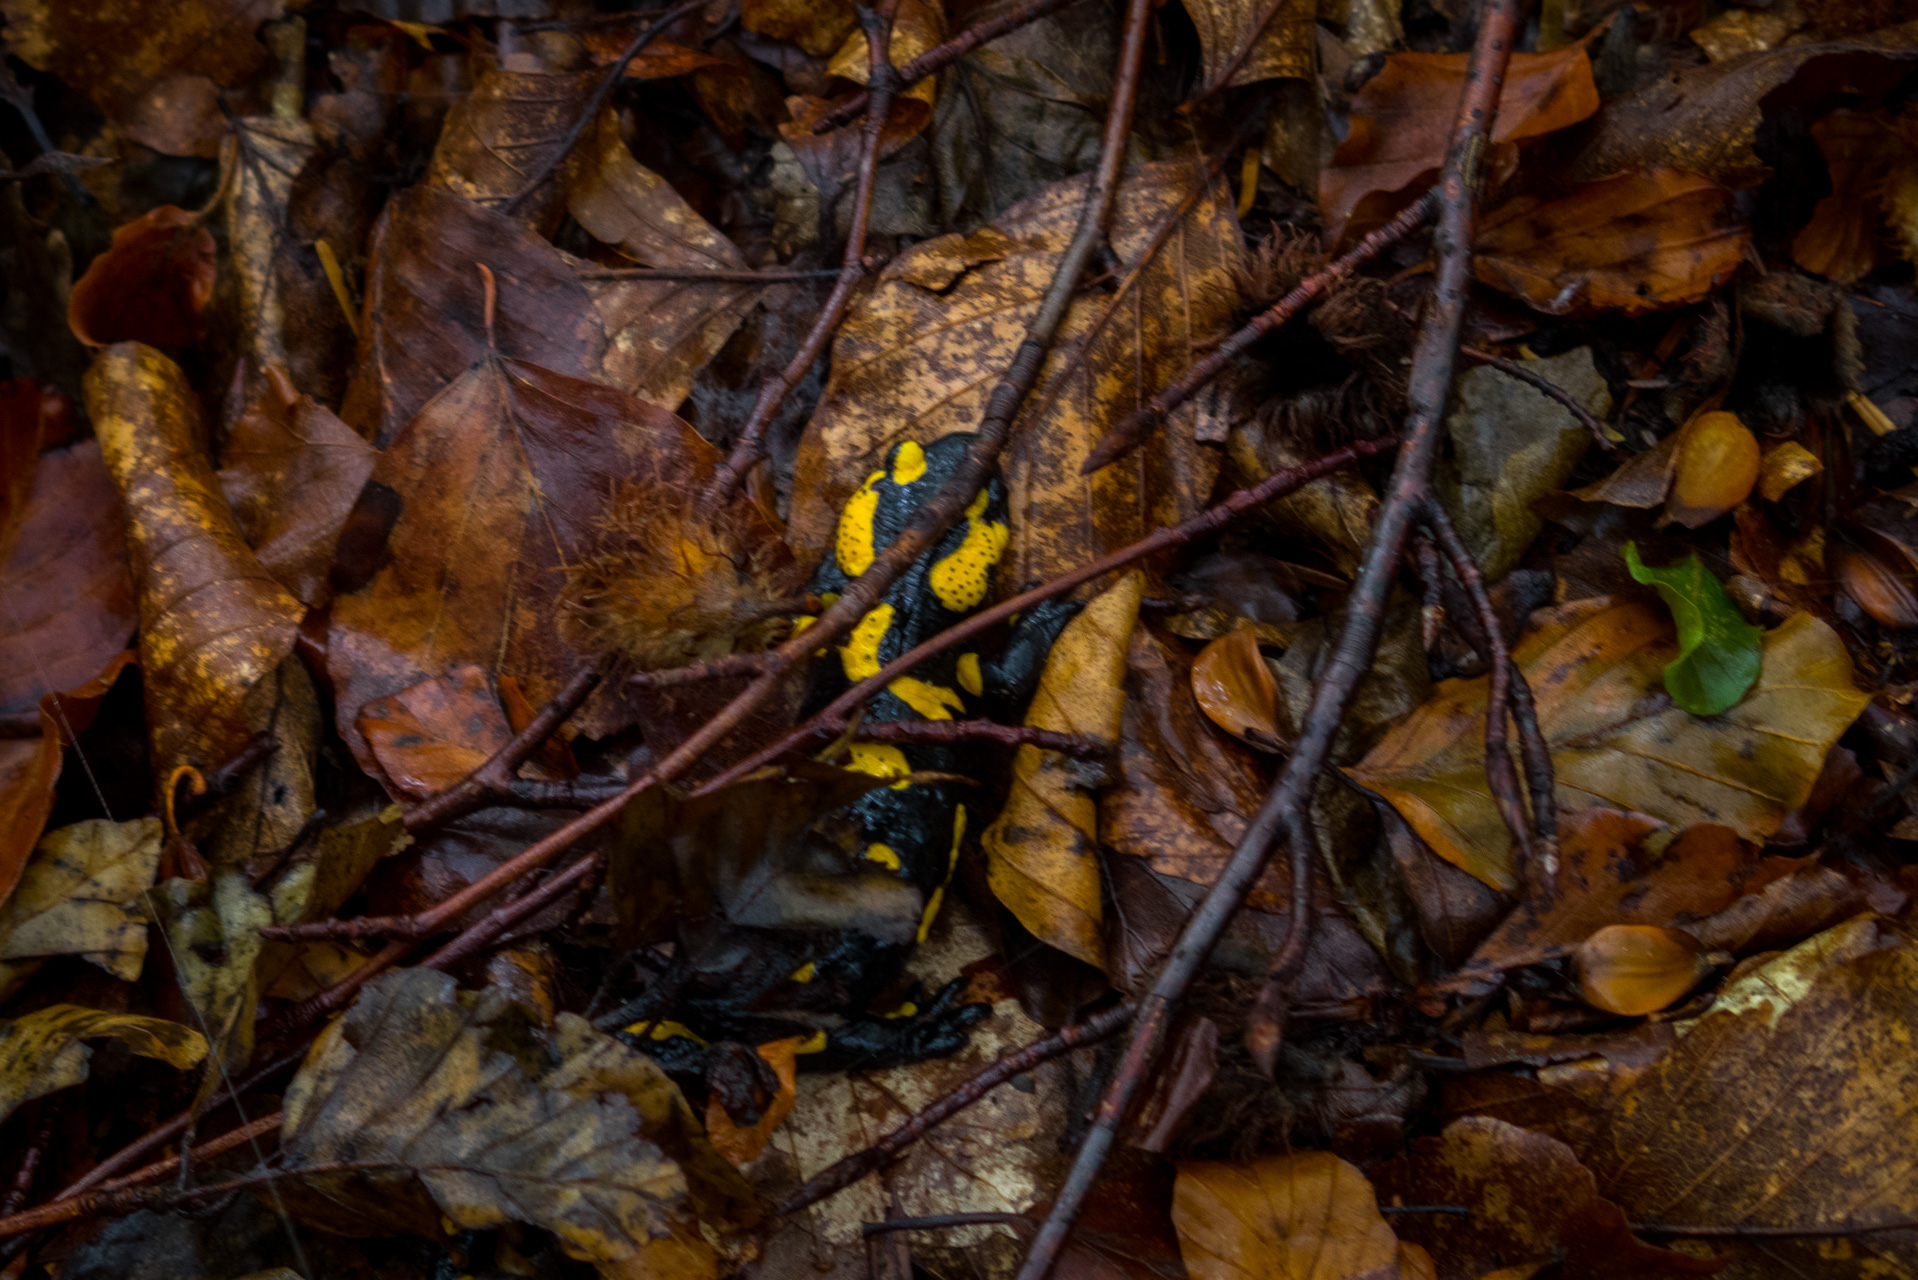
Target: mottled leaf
[[81, 895], [42, 1051]]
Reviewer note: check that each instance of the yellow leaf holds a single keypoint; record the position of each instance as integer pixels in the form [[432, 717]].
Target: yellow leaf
[[1309, 1216], [1784, 466], [42, 1052], [1596, 667], [1043, 850], [80, 895]]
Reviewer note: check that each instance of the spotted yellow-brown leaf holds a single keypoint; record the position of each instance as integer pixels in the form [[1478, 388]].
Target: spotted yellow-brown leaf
[[43, 1050]]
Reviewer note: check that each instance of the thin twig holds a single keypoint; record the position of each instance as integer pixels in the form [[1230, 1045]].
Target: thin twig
[[1545, 387], [731, 664], [941, 56], [39, 1135], [590, 113], [1125, 437], [943, 1221], [1769, 1233], [704, 275], [1428, 389], [885, 82], [843, 1174]]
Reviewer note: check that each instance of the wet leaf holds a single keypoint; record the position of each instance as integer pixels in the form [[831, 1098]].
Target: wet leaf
[[918, 25], [1787, 1113], [292, 474], [1784, 467], [213, 623], [1718, 464], [1309, 1216], [213, 934], [1530, 1200], [1634, 969], [918, 357], [817, 26], [660, 334], [1235, 689], [1718, 651], [1402, 117], [1606, 876], [425, 319], [152, 284], [742, 1146], [497, 486], [1595, 668], [1878, 572], [1841, 239], [1043, 849], [43, 1051], [1511, 445], [1635, 242], [509, 128], [413, 1077], [434, 734], [265, 155], [81, 895], [129, 60], [1281, 34]]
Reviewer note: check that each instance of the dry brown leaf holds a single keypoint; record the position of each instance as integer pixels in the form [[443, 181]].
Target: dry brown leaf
[[1595, 667], [213, 623], [918, 25], [510, 127], [425, 319], [918, 356], [151, 285], [1401, 122], [1235, 689], [817, 26], [1841, 239], [1530, 1200], [268, 273], [659, 334], [495, 488], [1309, 1216], [1283, 35], [435, 734], [135, 63], [1797, 1107], [82, 894], [1043, 849], [292, 474], [1634, 969], [1633, 242]]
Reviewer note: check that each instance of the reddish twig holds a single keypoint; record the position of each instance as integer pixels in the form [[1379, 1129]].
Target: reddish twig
[[843, 1174], [496, 778], [590, 112], [885, 82], [1537, 845], [704, 275], [1545, 387], [1125, 437], [205, 1151], [943, 1221], [1428, 389], [732, 664], [941, 56], [39, 1135], [939, 732]]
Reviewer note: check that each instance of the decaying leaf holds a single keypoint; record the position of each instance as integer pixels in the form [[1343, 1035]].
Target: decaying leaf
[[1784, 467], [1840, 240], [817, 26], [1402, 117], [1235, 689], [1044, 847], [496, 138], [291, 476], [433, 735], [81, 895], [213, 623], [1281, 35], [1309, 1216], [410, 1079], [1718, 651], [1595, 667], [152, 285], [917, 25], [918, 357], [659, 334], [43, 1051], [1634, 242], [742, 1146], [1794, 1112], [265, 155]]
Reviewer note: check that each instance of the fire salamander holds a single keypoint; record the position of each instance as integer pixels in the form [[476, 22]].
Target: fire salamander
[[826, 986]]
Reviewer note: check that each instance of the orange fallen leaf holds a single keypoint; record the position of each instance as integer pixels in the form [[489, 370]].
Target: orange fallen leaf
[[1236, 691], [1633, 242], [742, 1146], [432, 735], [1309, 1216], [1717, 468], [1840, 240], [1633, 969], [151, 285]]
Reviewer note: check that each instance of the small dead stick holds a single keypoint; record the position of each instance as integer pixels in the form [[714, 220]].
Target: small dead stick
[[1075, 745], [39, 1135], [1545, 387], [495, 779], [1125, 437], [884, 78], [590, 113], [731, 664], [1731, 1231], [1539, 847], [970, 474], [705, 275], [941, 56], [943, 1221], [1428, 389], [839, 1176]]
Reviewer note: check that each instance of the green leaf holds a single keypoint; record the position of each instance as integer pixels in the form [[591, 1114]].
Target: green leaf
[[1717, 649]]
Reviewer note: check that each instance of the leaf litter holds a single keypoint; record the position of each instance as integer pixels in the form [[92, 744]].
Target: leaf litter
[[1484, 850]]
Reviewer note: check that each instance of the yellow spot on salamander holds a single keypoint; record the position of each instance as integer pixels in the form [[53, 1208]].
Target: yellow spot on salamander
[[908, 462], [961, 579], [884, 855], [952, 862], [814, 1043], [667, 1030], [970, 678], [931, 701], [906, 1010], [806, 972], [860, 654], [854, 543], [880, 761]]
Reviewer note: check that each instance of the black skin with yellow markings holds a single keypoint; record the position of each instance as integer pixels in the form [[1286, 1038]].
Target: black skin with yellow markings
[[821, 987]]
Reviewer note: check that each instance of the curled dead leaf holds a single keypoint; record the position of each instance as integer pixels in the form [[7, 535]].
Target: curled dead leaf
[[1236, 691], [1784, 467], [152, 284], [1633, 969], [1877, 571], [42, 1051]]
